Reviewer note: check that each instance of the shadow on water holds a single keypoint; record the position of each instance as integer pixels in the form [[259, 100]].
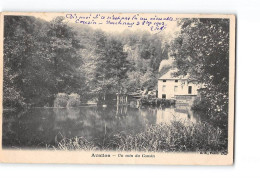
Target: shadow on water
[[42, 127]]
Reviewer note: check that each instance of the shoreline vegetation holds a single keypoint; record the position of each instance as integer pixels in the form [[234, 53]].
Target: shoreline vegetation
[[175, 137]]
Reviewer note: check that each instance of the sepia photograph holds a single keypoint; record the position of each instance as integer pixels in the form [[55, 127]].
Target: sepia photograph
[[115, 85]]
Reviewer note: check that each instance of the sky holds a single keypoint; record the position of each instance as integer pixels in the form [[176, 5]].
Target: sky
[[128, 21]]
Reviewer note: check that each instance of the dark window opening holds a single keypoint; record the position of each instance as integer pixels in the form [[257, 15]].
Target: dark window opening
[[164, 80], [176, 81], [190, 89], [163, 96]]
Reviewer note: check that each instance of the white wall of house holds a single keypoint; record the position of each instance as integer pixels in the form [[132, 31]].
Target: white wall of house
[[172, 87]]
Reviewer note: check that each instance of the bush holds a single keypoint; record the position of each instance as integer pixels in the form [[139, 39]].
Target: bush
[[199, 105], [12, 98], [214, 105], [76, 143], [61, 100], [74, 100]]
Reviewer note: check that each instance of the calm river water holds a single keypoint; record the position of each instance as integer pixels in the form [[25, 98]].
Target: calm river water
[[39, 127]]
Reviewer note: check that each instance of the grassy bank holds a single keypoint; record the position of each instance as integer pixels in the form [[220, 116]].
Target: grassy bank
[[174, 137]]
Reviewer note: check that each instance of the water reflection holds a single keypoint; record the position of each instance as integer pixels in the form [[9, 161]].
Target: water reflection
[[39, 127], [179, 113]]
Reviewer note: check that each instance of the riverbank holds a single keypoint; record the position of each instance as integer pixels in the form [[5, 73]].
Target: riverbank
[[174, 137]]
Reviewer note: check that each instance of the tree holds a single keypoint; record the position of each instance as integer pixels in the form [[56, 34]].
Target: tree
[[106, 69], [145, 53], [202, 50], [40, 59], [66, 60], [24, 57]]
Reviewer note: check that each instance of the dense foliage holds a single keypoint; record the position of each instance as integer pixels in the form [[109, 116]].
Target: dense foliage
[[202, 50], [106, 69], [121, 63], [40, 60]]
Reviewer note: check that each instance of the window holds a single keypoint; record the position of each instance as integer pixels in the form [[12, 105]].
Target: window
[[190, 90], [164, 80], [163, 96], [176, 81], [175, 88], [163, 88]]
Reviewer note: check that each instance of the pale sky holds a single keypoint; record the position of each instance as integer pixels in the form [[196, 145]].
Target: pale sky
[[171, 26]]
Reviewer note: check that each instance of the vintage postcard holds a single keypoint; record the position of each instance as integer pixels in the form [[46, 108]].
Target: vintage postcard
[[117, 88]]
